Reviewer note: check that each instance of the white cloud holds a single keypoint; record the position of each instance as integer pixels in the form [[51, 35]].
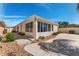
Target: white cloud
[[46, 6], [14, 16], [4, 16], [54, 20], [11, 22], [1, 15]]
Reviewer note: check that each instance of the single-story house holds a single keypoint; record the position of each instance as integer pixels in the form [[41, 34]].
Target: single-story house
[[9, 29], [2, 27], [36, 26], [1, 30]]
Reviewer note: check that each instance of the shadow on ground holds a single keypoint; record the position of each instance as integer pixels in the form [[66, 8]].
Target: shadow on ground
[[63, 46], [17, 36]]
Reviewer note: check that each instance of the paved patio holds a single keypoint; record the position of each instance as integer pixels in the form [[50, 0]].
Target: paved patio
[[35, 49]]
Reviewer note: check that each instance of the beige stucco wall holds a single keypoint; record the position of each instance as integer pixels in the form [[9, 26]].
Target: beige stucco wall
[[43, 34], [66, 30], [29, 34], [55, 28], [23, 25]]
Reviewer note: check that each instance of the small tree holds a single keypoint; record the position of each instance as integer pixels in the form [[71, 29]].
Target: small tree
[[63, 24]]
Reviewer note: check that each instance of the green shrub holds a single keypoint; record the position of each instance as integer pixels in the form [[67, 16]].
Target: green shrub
[[1, 38], [41, 37], [21, 33], [71, 32], [55, 33], [14, 31], [10, 37]]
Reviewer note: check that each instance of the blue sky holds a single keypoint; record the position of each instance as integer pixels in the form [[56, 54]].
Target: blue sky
[[13, 13]]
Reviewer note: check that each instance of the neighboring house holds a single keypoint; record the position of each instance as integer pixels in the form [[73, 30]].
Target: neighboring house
[[2, 27], [9, 29], [36, 26], [4, 30], [1, 30]]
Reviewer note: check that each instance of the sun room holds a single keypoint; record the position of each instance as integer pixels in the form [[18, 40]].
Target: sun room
[[36, 26]]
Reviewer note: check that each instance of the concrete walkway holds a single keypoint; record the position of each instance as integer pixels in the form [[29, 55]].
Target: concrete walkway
[[35, 49]]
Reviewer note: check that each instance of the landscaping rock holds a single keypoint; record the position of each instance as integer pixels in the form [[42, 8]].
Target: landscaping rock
[[23, 42]]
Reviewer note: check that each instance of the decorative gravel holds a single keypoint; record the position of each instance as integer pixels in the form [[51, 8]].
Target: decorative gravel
[[12, 49]]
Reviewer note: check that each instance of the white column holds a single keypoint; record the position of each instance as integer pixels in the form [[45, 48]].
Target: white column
[[55, 28], [35, 29], [23, 28]]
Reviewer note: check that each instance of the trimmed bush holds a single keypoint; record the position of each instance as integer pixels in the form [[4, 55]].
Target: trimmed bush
[[1, 38], [55, 33], [21, 33], [41, 37], [71, 32], [10, 37], [14, 31]]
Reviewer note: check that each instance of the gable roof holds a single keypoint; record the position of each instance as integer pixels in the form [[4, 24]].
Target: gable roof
[[38, 18]]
